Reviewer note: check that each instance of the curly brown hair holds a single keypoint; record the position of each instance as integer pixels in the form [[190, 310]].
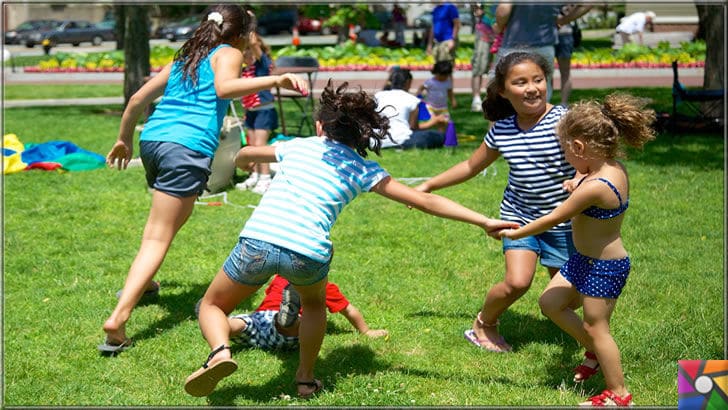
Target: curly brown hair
[[621, 118], [352, 118], [236, 23]]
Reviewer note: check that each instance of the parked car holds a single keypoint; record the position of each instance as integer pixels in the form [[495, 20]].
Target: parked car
[[179, 30], [424, 20], [19, 34], [276, 21], [72, 32], [311, 25]]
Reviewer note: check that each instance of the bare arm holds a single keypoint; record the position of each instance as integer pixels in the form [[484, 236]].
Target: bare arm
[[481, 159], [574, 204], [250, 155], [415, 123], [354, 316], [227, 64], [503, 13], [437, 205], [122, 151], [573, 14]]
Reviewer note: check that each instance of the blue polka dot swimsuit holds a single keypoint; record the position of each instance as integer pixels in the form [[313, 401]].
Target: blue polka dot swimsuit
[[599, 277]]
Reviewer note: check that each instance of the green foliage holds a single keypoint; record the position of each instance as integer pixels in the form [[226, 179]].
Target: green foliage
[[69, 239]]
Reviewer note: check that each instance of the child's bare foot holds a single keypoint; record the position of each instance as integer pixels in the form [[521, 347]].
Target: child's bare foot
[[486, 335], [115, 332], [306, 390]]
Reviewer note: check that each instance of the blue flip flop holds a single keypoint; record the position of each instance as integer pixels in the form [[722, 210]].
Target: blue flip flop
[[112, 348], [148, 294]]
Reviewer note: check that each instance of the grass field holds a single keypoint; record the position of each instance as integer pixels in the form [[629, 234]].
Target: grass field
[[69, 239]]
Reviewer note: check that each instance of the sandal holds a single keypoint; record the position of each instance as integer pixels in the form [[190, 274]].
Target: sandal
[[498, 346], [608, 398], [583, 372], [203, 381], [316, 384]]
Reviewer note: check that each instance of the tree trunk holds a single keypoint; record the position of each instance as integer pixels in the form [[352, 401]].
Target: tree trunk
[[711, 19], [119, 20], [136, 49]]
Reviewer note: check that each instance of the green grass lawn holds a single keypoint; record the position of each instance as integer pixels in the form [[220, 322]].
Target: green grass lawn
[[69, 239]]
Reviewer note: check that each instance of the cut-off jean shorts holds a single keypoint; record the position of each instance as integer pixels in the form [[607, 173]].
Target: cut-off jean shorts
[[553, 247], [253, 262]]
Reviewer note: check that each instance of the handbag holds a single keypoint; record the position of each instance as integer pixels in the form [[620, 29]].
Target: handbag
[[576, 33]]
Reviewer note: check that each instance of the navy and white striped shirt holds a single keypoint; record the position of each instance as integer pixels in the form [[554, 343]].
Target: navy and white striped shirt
[[317, 178], [537, 165]]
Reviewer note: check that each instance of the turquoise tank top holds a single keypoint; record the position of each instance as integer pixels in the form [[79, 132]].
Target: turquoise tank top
[[190, 115]]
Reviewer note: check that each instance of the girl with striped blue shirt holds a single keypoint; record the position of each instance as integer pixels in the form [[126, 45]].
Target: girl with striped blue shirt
[[289, 231], [523, 132]]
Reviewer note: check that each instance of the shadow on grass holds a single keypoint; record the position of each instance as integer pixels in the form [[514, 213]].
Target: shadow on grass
[[359, 359], [698, 151]]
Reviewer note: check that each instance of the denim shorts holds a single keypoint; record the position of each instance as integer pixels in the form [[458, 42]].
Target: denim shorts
[[175, 169], [565, 46], [253, 262], [261, 119], [553, 247]]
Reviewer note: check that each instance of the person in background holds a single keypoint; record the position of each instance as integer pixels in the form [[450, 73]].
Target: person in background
[[399, 21], [261, 117], [482, 57], [442, 36], [564, 49], [179, 141], [635, 23], [437, 91], [402, 108]]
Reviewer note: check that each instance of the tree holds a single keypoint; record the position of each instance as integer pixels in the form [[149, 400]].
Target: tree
[[136, 49], [119, 23], [711, 18]]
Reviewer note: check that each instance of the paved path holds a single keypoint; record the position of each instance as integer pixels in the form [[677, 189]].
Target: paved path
[[370, 81]]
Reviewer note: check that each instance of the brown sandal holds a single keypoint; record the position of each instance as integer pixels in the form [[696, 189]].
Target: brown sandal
[[315, 383], [203, 381]]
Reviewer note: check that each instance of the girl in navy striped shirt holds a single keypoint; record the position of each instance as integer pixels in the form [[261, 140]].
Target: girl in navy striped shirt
[[523, 132]]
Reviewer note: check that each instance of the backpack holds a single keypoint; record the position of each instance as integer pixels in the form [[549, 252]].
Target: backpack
[[576, 33]]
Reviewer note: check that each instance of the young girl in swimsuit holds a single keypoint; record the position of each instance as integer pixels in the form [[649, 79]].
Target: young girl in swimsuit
[[591, 135]]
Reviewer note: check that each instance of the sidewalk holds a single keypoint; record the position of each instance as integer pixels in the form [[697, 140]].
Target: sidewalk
[[370, 81]]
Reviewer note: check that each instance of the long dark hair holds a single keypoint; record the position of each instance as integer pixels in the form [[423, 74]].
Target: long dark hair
[[496, 107], [352, 118], [236, 23]]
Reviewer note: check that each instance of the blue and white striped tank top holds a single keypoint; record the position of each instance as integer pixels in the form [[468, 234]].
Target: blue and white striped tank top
[[537, 165]]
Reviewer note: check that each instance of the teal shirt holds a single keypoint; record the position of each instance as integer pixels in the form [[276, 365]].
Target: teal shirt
[[189, 115]]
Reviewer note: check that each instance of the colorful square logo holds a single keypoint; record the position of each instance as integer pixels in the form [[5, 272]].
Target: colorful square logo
[[702, 384]]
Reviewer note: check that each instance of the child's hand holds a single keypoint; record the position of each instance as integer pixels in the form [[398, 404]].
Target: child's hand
[[375, 333], [570, 185], [441, 119], [494, 227], [508, 233], [119, 156], [293, 82]]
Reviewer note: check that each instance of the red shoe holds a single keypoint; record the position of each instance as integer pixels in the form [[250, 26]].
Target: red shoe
[[608, 398], [583, 372]]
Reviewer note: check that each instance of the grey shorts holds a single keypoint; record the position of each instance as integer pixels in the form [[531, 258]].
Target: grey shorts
[[481, 57], [174, 169]]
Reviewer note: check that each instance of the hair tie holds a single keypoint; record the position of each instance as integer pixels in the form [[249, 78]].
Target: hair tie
[[216, 17]]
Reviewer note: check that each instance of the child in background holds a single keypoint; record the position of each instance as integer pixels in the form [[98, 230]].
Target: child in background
[[261, 116], [437, 91], [289, 232], [523, 132], [591, 135], [179, 141], [482, 56], [275, 323]]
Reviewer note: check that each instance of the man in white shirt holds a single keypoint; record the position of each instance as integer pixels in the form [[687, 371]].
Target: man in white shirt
[[634, 24]]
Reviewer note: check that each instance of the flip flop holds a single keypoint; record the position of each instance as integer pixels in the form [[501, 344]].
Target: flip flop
[[316, 384], [112, 348], [203, 381], [471, 337], [148, 294]]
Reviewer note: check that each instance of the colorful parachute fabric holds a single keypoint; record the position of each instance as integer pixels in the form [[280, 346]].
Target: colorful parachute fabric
[[47, 156], [702, 384]]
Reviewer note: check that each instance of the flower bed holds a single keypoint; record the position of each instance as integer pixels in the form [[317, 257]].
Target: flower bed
[[358, 57]]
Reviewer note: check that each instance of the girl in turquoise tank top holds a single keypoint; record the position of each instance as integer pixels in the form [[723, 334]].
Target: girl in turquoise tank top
[[179, 141]]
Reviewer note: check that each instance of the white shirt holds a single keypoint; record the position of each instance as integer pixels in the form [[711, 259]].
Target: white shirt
[[634, 23], [397, 105]]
